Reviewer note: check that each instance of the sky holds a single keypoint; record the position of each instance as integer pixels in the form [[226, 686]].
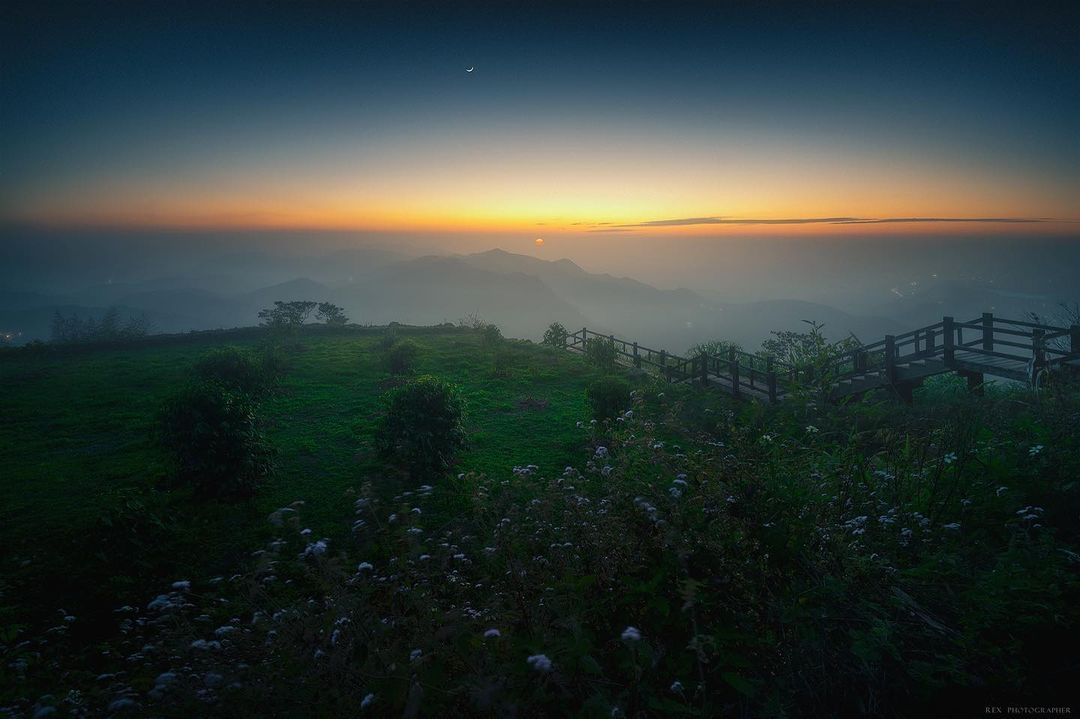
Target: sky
[[625, 119]]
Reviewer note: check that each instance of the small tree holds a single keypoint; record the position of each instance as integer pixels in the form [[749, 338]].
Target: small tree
[[286, 315], [423, 425], [607, 397], [555, 335], [600, 351], [331, 314], [808, 350], [213, 436]]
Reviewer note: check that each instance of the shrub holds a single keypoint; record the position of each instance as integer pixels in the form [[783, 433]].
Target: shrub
[[607, 397], [213, 435], [490, 335], [401, 357], [714, 348], [555, 335], [423, 425], [502, 362], [600, 351], [388, 338], [233, 369]]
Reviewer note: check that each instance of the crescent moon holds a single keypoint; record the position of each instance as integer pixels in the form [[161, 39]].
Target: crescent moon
[[469, 69]]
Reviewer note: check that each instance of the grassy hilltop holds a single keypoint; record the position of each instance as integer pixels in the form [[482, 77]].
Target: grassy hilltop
[[692, 557], [79, 458]]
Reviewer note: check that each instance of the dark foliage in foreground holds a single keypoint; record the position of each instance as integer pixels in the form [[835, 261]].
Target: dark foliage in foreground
[[212, 433], [698, 559], [236, 370], [422, 427], [608, 397]]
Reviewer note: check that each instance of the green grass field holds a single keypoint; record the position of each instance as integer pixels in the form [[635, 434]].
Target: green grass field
[[694, 556], [79, 459]]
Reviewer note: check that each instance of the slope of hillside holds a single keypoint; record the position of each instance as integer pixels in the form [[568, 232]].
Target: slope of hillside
[[434, 289], [693, 557]]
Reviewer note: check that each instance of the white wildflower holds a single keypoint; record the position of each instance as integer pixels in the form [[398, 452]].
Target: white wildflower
[[631, 634], [539, 662]]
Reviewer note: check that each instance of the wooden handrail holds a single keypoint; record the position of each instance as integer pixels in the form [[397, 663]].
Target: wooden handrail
[[746, 371]]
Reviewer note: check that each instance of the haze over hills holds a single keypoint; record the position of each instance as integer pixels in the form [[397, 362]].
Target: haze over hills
[[736, 290], [521, 294]]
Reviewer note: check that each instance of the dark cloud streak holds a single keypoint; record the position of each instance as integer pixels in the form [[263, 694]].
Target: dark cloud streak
[[685, 221]]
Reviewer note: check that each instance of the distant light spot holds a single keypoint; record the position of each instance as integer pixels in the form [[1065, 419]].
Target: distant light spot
[[539, 242]]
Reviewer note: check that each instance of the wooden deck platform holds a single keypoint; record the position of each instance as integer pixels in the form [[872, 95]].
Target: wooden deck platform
[[996, 347]]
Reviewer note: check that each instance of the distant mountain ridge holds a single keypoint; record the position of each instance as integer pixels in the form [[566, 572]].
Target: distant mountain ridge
[[521, 294]]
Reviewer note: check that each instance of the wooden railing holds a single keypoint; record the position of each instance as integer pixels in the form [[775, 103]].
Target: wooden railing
[[1038, 346]]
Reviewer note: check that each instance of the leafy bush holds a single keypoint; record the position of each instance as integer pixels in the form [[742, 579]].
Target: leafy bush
[[807, 349], [600, 351], [423, 425], [607, 397], [213, 435], [233, 369], [490, 335], [401, 357], [388, 338], [555, 335], [714, 348]]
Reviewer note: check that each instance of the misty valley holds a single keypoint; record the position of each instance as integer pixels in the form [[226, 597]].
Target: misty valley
[[604, 358]]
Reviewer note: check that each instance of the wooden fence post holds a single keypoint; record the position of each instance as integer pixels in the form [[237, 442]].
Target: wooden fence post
[[860, 360], [771, 379], [988, 331], [637, 357], [948, 339], [663, 366], [890, 357], [704, 369], [1038, 347], [733, 360]]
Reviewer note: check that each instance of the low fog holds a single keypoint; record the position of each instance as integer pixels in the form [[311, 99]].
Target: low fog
[[662, 291]]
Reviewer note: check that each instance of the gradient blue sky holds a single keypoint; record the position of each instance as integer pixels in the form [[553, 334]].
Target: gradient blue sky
[[361, 116]]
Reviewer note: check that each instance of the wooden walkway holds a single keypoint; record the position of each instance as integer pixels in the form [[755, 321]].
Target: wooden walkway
[[988, 346]]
